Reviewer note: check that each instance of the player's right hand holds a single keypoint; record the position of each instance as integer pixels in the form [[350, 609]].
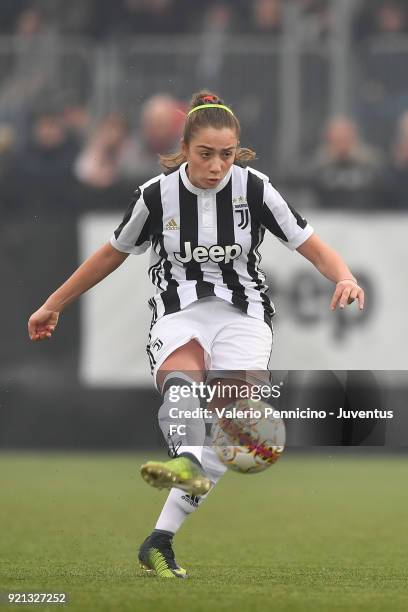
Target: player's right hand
[[42, 323]]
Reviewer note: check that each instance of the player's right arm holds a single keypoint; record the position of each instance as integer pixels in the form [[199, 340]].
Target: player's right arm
[[105, 260]]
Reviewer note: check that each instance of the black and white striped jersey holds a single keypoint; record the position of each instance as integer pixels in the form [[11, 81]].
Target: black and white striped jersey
[[204, 242]]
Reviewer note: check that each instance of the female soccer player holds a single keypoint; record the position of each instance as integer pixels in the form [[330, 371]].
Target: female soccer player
[[204, 219]]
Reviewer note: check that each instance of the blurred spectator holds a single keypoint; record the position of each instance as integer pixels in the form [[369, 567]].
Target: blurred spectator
[[29, 23], [73, 18], [219, 17], [217, 24], [391, 19], [386, 18], [382, 93], [396, 191], [34, 70], [109, 155], [315, 19], [160, 132], [345, 173], [10, 9], [49, 152], [77, 120], [265, 17], [39, 178]]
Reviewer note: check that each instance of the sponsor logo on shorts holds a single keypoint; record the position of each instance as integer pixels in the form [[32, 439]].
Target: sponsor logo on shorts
[[156, 345], [215, 253]]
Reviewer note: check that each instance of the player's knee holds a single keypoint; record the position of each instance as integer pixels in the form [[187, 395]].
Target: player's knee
[[179, 414]]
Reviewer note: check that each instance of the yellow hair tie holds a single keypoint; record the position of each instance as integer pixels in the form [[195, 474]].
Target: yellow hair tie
[[196, 108]]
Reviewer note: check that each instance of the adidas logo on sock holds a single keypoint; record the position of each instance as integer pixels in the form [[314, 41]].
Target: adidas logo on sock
[[191, 499], [171, 225]]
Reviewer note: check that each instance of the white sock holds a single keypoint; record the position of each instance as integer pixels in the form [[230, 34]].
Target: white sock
[[176, 509], [179, 504], [193, 439]]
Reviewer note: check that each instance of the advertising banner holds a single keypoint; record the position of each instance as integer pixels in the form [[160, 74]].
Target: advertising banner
[[115, 318]]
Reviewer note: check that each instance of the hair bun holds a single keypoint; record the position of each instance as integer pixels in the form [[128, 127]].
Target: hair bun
[[210, 99]]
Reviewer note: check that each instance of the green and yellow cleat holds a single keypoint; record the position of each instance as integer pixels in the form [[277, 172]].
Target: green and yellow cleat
[[156, 557], [180, 472]]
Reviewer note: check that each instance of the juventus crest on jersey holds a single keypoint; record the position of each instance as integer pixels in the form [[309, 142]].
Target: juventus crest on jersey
[[205, 241]]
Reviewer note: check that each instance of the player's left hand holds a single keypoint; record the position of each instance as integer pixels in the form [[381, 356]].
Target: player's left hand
[[345, 293]]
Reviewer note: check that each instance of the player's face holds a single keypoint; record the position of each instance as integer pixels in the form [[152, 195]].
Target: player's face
[[210, 155]]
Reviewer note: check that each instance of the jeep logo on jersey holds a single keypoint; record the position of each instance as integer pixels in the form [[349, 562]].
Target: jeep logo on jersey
[[216, 253]]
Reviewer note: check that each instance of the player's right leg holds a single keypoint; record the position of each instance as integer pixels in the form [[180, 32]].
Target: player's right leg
[[184, 436], [183, 474]]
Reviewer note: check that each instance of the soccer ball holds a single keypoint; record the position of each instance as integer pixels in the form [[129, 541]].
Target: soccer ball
[[247, 438]]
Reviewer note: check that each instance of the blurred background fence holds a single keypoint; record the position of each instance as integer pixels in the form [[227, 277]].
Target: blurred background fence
[[91, 92]]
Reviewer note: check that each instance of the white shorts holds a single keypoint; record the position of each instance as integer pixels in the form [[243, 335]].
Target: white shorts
[[231, 339]]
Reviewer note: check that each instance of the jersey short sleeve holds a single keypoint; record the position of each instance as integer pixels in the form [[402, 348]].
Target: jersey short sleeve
[[133, 234], [283, 220]]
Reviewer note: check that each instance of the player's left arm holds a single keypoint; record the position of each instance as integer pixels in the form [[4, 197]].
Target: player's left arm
[[331, 265]]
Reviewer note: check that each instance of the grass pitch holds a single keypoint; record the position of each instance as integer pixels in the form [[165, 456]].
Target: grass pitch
[[312, 533]]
